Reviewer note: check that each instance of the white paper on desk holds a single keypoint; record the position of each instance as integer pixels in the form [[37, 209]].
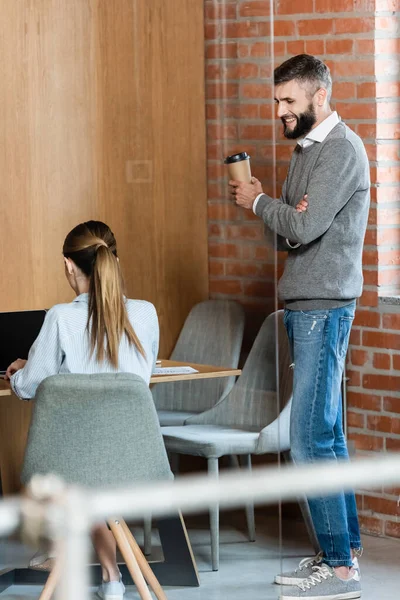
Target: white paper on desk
[[174, 370]]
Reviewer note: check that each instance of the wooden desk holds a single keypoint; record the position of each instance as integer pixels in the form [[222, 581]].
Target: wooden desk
[[15, 418], [178, 567]]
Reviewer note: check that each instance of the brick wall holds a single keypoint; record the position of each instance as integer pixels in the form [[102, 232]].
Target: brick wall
[[359, 39]]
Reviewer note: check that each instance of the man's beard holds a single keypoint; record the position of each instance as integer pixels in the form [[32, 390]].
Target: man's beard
[[305, 123]]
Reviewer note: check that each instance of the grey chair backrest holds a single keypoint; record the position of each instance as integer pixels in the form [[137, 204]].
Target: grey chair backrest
[[212, 335], [253, 403], [96, 430]]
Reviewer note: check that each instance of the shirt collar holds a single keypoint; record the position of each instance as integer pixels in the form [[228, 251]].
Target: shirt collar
[[82, 298], [320, 133]]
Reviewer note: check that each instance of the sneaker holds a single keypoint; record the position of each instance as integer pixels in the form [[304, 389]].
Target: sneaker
[[323, 584], [111, 590], [305, 569]]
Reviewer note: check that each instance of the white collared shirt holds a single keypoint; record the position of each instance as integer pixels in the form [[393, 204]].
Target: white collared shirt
[[318, 134], [63, 346]]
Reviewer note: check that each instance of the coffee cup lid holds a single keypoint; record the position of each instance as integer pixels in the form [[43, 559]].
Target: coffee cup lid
[[236, 158]]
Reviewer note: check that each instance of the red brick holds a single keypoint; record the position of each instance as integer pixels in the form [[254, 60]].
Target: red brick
[[222, 90], [388, 131], [255, 132], [366, 442], [223, 250], [391, 321], [329, 6], [366, 130], [354, 68], [356, 111], [396, 362], [354, 378], [256, 90], [285, 7], [296, 47], [370, 277], [386, 24], [216, 268], [366, 90], [359, 357], [222, 212], [381, 361], [215, 230], [238, 269], [246, 29], [344, 90], [393, 445], [371, 525], [284, 28], [222, 50], [388, 174], [254, 49], [384, 424], [381, 382], [225, 10], [381, 505], [364, 401], [360, 25], [339, 46], [389, 152], [370, 234], [367, 318], [315, 27], [255, 8], [259, 289], [355, 419], [244, 232], [391, 404], [225, 286], [355, 337], [364, 47], [315, 47], [369, 298], [370, 257], [392, 529], [387, 46]]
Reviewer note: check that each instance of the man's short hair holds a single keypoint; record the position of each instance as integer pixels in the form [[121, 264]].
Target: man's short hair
[[306, 69]]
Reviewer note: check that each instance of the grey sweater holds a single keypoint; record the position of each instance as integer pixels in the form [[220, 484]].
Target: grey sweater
[[326, 270]]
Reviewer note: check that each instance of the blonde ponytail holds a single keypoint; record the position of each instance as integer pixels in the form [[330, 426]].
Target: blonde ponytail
[[92, 247]]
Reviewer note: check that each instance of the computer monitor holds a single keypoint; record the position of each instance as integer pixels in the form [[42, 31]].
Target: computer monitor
[[18, 331]]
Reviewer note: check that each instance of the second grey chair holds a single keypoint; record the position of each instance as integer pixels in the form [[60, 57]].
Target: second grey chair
[[212, 335], [99, 430], [251, 419]]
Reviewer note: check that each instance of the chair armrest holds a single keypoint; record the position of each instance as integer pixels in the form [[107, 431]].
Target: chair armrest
[[275, 437]]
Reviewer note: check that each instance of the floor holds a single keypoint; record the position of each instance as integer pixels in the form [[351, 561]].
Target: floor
[[247, 569]]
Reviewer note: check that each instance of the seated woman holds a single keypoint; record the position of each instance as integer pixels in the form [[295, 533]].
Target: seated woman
[[101, 331]]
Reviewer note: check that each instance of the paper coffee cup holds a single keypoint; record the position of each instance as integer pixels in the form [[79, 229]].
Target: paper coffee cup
[[239, 167]]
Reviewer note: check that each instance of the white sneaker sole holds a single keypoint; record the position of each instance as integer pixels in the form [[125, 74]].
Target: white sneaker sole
[[347, 596], [109, 597], [288, 580]]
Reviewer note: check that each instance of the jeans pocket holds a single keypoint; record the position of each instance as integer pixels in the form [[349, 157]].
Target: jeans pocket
[[345, 324], [315, 314]]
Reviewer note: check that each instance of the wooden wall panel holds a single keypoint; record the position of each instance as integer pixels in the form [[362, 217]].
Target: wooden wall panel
[[103, 117]]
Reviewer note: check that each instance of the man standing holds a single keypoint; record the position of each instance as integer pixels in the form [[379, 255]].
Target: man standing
[[320, 220]]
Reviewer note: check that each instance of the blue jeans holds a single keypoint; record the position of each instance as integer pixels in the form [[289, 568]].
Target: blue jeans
[[319, 341]]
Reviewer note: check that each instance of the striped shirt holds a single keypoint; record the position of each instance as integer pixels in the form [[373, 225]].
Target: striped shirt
[[63, 346]]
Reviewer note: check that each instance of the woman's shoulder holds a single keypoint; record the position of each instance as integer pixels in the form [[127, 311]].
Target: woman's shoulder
[[141, 309]]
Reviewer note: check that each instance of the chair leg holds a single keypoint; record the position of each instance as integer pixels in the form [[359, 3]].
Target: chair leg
[[129, 558], [147, 526], [214, 518], [52, 581], [143, 564], [251, 524]]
